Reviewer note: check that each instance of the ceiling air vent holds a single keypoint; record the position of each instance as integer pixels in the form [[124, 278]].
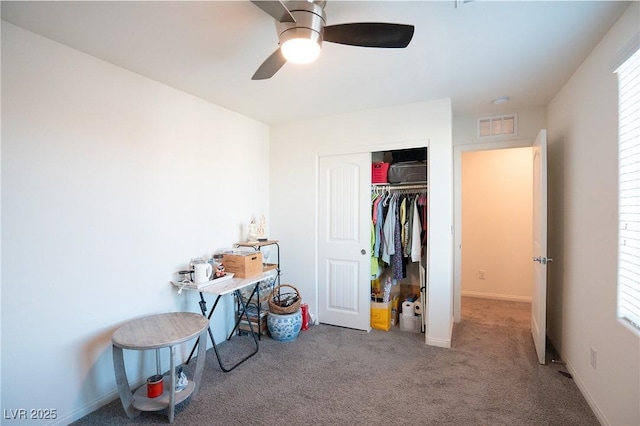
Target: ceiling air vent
[[501, 125]]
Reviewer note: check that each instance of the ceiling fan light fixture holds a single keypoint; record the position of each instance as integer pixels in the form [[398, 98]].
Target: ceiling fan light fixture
[[301, 28], [300, 50], [300, 45]]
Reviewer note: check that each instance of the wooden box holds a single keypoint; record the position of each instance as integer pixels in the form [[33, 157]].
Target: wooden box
[[243, 264]]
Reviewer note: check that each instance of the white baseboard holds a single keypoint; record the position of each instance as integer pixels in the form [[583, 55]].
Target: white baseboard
[[111, 396], [441, 343], [507, 297], [578, 381], [87, 409]]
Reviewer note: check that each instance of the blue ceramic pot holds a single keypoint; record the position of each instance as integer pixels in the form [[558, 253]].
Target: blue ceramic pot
[[284, 328]]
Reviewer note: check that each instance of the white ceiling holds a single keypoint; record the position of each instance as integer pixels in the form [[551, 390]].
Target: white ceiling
[[472, 53]]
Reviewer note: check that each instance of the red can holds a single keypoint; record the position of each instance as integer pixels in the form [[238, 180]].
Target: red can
[[305, 316], [154, 386]]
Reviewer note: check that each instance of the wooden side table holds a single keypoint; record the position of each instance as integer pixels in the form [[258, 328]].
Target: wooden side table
[[157, 332]]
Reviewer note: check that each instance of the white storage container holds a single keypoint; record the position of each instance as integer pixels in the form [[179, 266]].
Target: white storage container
[[410, 322]]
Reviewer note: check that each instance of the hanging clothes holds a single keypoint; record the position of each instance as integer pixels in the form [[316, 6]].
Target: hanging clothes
[[398, 229], [375, 266], [378, 220], [409, 226], [403, 224], [388, 233], [416, 245], [423, 203], [398, 270]]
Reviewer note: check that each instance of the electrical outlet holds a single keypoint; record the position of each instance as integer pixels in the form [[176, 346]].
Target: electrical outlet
[[481, 274], [594, 359]]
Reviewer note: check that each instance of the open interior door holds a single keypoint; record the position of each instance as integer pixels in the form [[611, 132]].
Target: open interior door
[[540, 260], [344, 240]]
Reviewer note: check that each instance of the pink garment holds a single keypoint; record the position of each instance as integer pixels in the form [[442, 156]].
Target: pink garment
[[375, 209]]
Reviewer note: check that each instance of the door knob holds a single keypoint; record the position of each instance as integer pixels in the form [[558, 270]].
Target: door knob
[[537, 259], [363, 251]]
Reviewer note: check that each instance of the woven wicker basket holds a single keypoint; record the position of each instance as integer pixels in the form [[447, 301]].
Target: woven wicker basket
[[283, 303]]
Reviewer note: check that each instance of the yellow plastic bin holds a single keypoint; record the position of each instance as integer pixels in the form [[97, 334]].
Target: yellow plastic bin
[[381, 315]]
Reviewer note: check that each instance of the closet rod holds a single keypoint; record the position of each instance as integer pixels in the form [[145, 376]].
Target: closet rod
[[399, 186]]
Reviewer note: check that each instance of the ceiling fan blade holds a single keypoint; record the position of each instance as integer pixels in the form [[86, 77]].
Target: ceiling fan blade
[[370, 34], [275, 9], [270, 66]]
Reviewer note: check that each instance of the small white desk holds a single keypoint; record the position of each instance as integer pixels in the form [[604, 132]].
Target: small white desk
[[156, 332], [234, 286]]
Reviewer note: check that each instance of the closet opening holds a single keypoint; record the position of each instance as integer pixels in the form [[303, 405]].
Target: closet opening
[[399, 219], [345, 245]]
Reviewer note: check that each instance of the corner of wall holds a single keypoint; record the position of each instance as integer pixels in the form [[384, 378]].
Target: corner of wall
[[440, 342]]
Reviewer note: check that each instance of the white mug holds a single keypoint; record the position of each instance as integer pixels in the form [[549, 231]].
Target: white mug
[[202, 272]]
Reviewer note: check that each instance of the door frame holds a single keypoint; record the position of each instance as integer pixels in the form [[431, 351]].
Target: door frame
[[457, 208]]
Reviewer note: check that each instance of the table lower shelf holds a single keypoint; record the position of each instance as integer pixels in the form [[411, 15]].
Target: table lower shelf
[[143, 403]]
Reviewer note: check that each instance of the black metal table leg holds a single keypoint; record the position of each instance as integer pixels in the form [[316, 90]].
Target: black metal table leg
[[243, 311], [203, 309]]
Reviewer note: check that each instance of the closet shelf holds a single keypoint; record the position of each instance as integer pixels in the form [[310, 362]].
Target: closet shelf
[[412, 185]]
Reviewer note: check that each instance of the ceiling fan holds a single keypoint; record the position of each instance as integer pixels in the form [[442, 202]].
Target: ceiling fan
[[301, 31]]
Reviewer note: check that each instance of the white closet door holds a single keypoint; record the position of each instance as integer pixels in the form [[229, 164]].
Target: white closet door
[[344, 240], [539, 297]]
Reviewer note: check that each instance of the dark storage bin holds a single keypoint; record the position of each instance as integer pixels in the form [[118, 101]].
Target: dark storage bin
[[413, 154], [408, 171]]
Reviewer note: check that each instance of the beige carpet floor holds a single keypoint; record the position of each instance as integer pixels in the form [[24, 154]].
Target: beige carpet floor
[[336, 376]]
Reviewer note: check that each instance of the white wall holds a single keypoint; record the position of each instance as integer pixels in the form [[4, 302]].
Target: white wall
[[530, 122], [294, 154], [583, 135], [110, 183], [497, 223]]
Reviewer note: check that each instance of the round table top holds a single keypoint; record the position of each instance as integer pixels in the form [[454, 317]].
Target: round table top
[[159, 331]]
